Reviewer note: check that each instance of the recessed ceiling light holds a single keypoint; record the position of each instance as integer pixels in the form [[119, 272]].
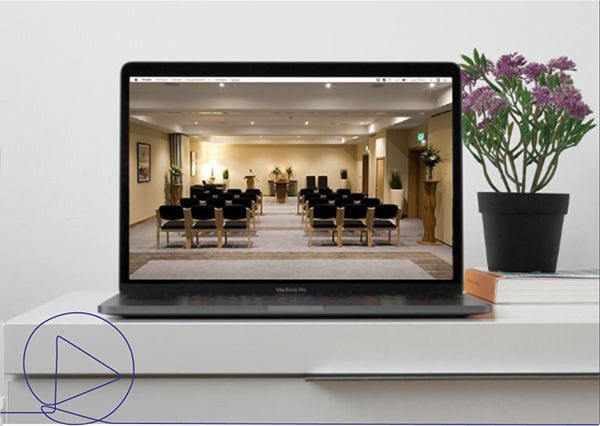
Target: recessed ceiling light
[[362, 123], [342, 140], [306, 123], [221, 84], [431, 84], [328, 85], [260, 136], [195, 122], [252, 123], [297, 137]]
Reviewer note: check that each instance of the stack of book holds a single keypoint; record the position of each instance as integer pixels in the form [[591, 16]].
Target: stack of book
[[561, 287]]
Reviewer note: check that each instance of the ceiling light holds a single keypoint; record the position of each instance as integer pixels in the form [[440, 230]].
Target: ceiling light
[[221, 84], [342, 140], [252, 123], [195, 122], [306, 123], [431, 85], [297, 137], [362, 123], [328, 85], [260, 136]]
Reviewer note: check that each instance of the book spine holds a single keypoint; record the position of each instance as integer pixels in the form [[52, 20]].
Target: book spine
[[481, 284]]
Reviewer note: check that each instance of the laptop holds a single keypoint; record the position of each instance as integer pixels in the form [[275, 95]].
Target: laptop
[[291, 190]]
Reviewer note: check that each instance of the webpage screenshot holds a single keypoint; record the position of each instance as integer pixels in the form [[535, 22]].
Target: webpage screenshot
[[290, 178]]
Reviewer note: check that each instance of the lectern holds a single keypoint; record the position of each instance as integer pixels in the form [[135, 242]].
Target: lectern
[[250, 181]]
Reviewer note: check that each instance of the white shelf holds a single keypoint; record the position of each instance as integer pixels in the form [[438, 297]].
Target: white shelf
[[515, 339]]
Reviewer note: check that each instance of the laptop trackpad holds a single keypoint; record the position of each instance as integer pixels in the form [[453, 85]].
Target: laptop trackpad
[[295, 308]]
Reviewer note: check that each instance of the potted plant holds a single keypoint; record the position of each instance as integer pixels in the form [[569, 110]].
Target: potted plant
[[274, 176], [225, 175], [518, 118], [212, 177], [176, 174], [431, 158], [343, 178], [396, 191], [292, 184]]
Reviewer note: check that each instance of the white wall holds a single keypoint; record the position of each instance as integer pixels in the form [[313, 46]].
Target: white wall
[[59, 108]]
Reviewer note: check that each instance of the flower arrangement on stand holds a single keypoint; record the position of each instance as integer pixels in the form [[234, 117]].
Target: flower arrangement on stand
[[519, 117], [431, 158]]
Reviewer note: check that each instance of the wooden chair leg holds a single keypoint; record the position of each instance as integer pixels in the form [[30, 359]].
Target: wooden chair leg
[[340, 241], [168, 242], [389, 236], [158, 238], [309, 237], [219, 239], [398, 236], [369, 238], [249, 232]]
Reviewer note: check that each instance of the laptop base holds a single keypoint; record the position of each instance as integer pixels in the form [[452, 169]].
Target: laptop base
[[301, 306]]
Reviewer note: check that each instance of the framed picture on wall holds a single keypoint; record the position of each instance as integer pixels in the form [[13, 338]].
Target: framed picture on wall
[[144, 163], [192, 163]]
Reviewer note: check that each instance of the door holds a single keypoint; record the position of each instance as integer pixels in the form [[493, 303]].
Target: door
[[365, 174], [380, 178], [416, 185]]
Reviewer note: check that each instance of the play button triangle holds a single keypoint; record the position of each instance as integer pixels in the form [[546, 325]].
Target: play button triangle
[[109, 374]]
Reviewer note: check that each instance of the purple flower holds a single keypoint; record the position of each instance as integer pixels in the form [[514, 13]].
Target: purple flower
[[562, 63], [483, 101], [542, 96], [509, 66], [466, 79], [566, 98], [569, 99], [533, 70]]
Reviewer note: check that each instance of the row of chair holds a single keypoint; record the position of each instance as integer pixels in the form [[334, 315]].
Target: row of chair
[[355, 218], [228, 195], [337, 201], [307, 193], [204, 220]]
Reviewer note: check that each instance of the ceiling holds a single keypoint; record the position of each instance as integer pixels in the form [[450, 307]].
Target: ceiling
[[295, 113]]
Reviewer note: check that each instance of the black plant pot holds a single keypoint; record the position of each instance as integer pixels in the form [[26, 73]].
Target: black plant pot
[[522, 231]]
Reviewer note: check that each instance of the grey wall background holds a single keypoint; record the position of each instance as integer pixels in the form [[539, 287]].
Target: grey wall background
[[59, 107]]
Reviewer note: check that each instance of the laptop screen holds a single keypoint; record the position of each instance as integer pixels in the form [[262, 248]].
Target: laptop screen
[[284, 178]]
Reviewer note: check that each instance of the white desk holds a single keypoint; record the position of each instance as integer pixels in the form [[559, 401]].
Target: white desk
[[524, 363]]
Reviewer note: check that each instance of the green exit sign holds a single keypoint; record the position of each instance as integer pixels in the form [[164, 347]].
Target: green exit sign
[[421, 136]]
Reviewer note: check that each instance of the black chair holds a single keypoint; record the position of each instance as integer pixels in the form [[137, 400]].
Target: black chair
[[387, 217], [311, 182], [249, 204], [195, 190], [301, 199], [357, 196], [370, 202], [169, 219], [355, 219], [308, 196], [333, 196], [217, 203], [202, 220], [237, 218], [325, 190], [226, 196], [202, 196], [234, 191], [343, 202], [187, 203], [323, 217], [259, 200], [215, 191], [316, 201], [322, 182], [343, 191]]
